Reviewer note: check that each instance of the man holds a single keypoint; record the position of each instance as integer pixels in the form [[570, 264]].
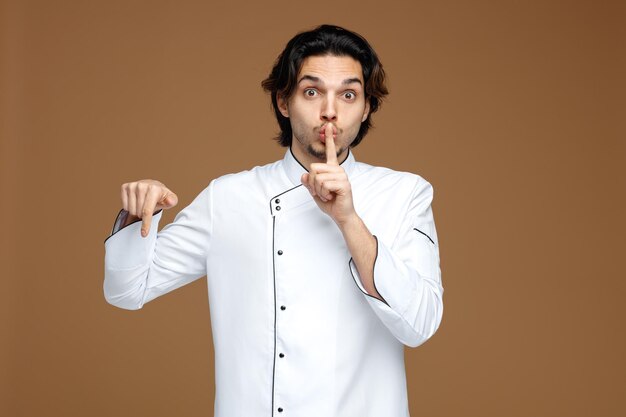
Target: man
[[319, 268]]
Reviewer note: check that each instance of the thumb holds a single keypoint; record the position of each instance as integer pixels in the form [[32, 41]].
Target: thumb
[[170, 200]]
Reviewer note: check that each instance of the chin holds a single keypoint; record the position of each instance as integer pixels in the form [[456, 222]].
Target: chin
[[316, 153]]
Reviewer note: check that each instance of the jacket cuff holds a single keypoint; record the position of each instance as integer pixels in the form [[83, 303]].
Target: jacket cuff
[[357, 277], [119, 221], [126, 248], [410, 309]]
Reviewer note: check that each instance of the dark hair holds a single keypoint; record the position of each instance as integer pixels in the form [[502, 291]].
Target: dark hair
[[325, 39]]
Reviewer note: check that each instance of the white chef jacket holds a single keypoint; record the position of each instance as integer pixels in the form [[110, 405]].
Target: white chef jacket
[[294, 331]]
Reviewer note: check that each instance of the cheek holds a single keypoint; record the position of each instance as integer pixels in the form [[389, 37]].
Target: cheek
[[355, 124], [356, 114], [298, 112]]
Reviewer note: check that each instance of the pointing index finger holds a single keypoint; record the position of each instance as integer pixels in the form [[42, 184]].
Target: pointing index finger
[[331, 152], [148, 210]]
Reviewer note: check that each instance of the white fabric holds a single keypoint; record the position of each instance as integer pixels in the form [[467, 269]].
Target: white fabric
[[343, 348]]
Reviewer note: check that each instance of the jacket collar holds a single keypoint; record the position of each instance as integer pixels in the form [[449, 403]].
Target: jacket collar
[[294, 169]]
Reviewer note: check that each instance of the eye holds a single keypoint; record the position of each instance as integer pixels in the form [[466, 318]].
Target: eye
[[310, 92], [350, 95]]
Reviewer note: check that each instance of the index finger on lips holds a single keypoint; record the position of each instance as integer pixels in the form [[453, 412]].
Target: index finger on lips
[[331, 153]]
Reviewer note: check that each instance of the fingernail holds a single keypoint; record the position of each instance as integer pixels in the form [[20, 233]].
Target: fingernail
[[143, 233]]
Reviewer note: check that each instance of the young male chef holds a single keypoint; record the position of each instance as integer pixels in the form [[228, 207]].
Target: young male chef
[[320, 268]]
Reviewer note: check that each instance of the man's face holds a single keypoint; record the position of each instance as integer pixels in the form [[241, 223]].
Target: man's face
[[329, 89]]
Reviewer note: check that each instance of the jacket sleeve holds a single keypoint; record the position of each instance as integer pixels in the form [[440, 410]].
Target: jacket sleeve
[[138, 270], [407, 274]]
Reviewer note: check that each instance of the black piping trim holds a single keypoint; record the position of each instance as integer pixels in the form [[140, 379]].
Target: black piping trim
[[119, 213], [274, 270], [299, 163], [425, 235], [373, 267], [278, 195], [346, 158], [122, 228], [275, 312]]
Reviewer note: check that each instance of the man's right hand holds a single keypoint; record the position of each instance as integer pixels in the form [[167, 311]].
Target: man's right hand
[[143, 198]]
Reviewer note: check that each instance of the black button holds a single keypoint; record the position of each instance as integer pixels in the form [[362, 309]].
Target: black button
[[280, 410], [280, 252], [282, 307], [277, 208], [282, 355], [277, 201]]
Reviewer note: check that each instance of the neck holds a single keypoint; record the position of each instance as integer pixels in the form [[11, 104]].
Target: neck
[[306, 159]]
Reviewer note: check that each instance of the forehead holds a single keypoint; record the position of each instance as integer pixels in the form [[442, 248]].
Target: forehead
[[331, 67]]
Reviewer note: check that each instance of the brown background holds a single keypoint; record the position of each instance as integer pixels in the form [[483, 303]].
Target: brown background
[[513, 110]]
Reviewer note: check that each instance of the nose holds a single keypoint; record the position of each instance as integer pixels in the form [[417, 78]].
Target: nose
[[329, 112]]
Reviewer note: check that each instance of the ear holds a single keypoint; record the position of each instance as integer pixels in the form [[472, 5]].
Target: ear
[[282, 105], [366, 111]]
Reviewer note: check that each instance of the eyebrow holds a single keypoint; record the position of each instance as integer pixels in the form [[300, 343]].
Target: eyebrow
[[318, 80]]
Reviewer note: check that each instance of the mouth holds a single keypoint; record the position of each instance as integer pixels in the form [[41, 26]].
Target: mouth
[[322, 133]]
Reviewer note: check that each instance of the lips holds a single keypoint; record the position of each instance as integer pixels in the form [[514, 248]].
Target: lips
[[322, 133]]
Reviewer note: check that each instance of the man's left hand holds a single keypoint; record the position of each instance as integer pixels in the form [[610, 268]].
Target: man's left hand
[[328, 184]]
